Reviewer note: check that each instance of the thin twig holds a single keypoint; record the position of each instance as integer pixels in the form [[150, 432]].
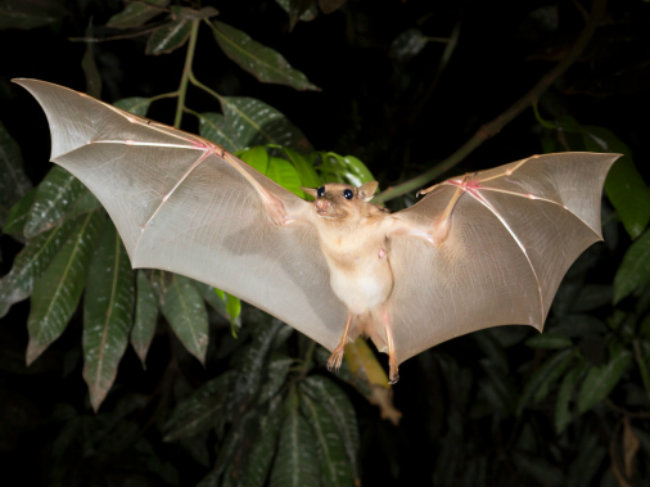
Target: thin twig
[[494, 126]]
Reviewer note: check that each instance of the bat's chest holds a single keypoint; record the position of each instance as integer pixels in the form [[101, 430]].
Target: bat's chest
[[360, 275]]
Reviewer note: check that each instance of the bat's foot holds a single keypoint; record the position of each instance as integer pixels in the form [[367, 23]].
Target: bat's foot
[[336, 359], [393, 371]]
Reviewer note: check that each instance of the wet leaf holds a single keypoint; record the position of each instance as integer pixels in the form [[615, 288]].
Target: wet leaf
[[108, 312], [266, 64], [55, 197], [602, 379], [146, 317], [296, 462], [57, 292], [137, 13], [254, 122], [13, 183], [185, 311], [633, 275]]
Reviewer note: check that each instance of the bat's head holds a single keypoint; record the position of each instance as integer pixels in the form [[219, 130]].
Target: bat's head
[[339, 201]]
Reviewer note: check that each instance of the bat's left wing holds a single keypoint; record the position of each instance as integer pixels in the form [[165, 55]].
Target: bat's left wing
[[503, 240], [183, 204]]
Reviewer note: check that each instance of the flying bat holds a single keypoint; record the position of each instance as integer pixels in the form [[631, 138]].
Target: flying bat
[[484, 249]]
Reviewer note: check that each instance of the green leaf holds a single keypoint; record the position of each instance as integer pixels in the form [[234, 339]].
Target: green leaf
[[169, 37], [215, 127], [305, 10], [329, 395], [253, 360], [137, 105], [28, 14], [633, 275], [203, 409], [407, 45], [308, 175], [276, 374], [256, 157], [624, 186], [600, 381], [335, 468], [18, 215], [283, 173], [57, 292], [184, 308], [538, 385], [108, 313], [296, 462], [567, 387], [55, 198], [146, 317], [30, 264], [344, 169], [266, 64], [549, 341], [13, 183], [261, 453], [255, 123], [137, 13]]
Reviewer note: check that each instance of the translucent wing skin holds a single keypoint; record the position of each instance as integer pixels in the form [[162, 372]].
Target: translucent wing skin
[[514, 231], [183, 204]]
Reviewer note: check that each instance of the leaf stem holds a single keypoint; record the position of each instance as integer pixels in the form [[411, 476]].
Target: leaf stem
[[187, 72], [493, 127]]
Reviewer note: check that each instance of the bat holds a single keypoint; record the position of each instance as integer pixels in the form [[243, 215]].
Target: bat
[[484, 249]]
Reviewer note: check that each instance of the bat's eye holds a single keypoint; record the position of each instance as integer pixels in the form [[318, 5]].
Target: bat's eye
[[348, 194], [320, 191]]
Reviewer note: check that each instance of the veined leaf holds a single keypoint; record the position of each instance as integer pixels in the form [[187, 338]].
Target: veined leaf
[[14, 183], [55, 197], [634, 272], [146, 317], [214, 127], [255, 123], [327, 393], [344, 169], [185, 310], [624, 186], [543, 377], [252, 466], [57, 292], [335, 467], [601, 380], [137, 105], [18, 215], [30, 263], [266, 64], [169, 37], [108, 312], [204, 409], [308, 175], [562, 412], [296, 462], [28, 14], [136, 14]]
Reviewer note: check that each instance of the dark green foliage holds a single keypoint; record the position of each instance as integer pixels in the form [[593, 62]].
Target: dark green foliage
[[231, 396]]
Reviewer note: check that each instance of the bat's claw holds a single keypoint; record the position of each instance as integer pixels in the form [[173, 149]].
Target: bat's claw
[[393, 373], [335, 360]]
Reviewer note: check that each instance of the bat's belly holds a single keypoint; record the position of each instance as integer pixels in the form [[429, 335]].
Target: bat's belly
[[362, 288]]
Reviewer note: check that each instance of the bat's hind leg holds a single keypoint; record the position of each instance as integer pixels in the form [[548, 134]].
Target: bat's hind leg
[[335, 360], [393, 369]]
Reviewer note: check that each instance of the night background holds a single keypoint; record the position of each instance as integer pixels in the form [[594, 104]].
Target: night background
[[415, 92]]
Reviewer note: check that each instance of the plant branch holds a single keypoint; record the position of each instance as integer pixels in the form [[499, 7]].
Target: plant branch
[[187, 72], [494, 126]]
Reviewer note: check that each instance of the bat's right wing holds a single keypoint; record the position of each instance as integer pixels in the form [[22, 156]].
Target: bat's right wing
[[183, 204], [506, 237]]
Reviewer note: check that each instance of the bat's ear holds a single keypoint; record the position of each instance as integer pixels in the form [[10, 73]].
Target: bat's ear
[[367, 191], [310, 191]]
